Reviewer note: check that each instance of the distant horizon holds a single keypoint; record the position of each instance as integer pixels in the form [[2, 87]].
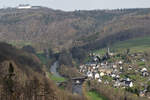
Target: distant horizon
[[75, 9], [68, 5]]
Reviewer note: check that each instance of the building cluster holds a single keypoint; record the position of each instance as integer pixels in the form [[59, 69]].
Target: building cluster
[[98, 69]]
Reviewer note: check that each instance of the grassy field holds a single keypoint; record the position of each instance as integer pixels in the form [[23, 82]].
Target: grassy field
[[91, 95], [94, 96], [101, 51], [135, 45], [55, 78], [19, 44]]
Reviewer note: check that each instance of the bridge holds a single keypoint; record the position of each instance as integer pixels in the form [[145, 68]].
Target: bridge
[[75, 80], [79, 80]]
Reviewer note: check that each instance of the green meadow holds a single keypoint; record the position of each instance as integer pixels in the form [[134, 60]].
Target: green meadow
[[135, 45], [55, 78], [95, 96]]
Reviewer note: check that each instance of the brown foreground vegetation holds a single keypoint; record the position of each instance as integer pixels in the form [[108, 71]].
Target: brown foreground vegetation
[[24, 79], [112, 93]]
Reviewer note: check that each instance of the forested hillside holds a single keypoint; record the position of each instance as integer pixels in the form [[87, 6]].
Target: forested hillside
[[129, 26], [48, 28], [22, 78]]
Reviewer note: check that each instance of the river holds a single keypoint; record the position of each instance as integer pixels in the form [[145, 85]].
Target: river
[[53, 69], [76, 88]]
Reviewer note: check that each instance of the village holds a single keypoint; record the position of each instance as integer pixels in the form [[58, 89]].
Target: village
[[129, 71]]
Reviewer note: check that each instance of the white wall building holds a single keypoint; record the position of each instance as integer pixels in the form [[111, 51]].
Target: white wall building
[[24, 7], [97, 76]]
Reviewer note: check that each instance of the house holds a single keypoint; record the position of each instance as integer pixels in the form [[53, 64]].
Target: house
[[130, 67], [108, 72], [95, 58], [97, 66], [115, 71], [94, 67], [99, 80], [114, 66], [121, 68], [143, 60], [102, 74], [90, 74], [97, 76], [81, 66], [120, 62], [106, 82], [145, 74], [105, 71], [102, 64], [77, 82], [113, 75], [117, 84], [117, 76], [128, 82], [144, 70], [91, 64]]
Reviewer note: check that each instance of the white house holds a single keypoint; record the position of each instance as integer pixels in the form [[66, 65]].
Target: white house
[[117, 84], [102, 74], [89, 74], [121, 68], [102, 64], [97, 76], [114, 66], [95, 59], [131, 84], [94, 67], [144, 70], [145, 73], [77, 82], [128, 82], [117, 76], [99, 80], [120, 62], [113, 75], [97, 66]]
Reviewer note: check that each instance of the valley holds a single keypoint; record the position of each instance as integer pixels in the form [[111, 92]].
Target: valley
[[48, 54]]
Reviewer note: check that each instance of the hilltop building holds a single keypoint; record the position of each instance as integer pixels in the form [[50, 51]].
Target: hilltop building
[[27, 6]]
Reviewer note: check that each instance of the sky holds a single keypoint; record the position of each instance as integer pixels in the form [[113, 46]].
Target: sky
[[70, 5]]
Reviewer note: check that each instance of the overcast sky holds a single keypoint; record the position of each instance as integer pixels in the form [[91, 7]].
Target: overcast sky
[[69, 5]]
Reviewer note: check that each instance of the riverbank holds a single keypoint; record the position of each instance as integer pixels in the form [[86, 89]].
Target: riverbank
[[54, 75], [55, 78]]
